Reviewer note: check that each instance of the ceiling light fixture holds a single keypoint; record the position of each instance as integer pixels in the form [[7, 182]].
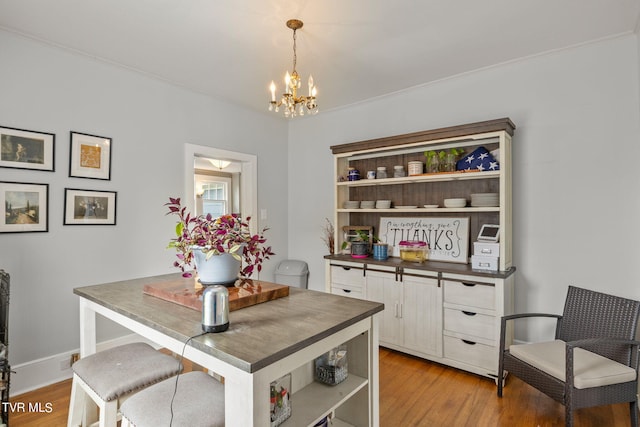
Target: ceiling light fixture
[[292, 103], [220, 164]]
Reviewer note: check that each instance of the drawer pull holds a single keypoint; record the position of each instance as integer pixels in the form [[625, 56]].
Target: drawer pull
[[346, 268], [468, 342], [486, 251], [469, 313], [348, 291], [468, 284]]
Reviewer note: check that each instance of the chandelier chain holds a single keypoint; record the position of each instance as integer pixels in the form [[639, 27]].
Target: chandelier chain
[[295, 55]]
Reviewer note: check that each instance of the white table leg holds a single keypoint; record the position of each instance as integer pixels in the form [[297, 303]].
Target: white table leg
[[374, 402], [87, 329], [246, 401]]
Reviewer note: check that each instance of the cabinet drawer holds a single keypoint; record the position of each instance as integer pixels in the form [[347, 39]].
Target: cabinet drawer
[[347, 275], [347, 291], [469, 323], [486, 249], [476, 354], [471, 294]]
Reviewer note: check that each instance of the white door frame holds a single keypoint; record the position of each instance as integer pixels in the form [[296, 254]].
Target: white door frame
[[248, 177]]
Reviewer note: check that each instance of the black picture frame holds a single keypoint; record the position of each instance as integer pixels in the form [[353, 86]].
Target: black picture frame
[[24, 206], [90, 156], [89, 207], [27, 149]]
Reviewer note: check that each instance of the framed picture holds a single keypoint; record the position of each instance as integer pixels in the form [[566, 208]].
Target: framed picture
[[26, 149], [89, 207], [448, 238], [25, 207], [90, 156]]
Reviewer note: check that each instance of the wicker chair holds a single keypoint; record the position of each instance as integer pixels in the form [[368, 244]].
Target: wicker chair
[[594, 349]]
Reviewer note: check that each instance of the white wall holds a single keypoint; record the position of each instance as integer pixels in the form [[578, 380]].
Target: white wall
[[46, 89], [575, 181]]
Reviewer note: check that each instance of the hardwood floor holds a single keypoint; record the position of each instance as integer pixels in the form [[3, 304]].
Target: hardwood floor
[[413, 392]]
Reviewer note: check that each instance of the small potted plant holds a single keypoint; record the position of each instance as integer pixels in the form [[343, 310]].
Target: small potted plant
[[360, 245], [202, 239]]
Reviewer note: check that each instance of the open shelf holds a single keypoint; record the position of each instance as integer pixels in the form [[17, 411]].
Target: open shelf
[[423, 210], [316, 400], [431, 177]]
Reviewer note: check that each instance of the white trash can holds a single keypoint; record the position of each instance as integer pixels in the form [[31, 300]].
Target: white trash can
[[293, 273]]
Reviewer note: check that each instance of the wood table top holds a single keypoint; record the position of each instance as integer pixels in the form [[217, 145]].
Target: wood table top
[[257, 336]]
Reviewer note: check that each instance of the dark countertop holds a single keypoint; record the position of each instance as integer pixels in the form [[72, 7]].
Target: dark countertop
[[434, 266], [257, 336]]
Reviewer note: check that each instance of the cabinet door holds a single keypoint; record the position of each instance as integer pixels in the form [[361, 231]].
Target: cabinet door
[[382, 287], [422, 315]]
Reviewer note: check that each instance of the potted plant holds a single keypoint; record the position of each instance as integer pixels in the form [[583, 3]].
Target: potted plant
[[360, 245], [217, 240]]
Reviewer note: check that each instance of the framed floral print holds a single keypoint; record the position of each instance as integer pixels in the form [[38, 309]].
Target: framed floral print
[[90, 156]]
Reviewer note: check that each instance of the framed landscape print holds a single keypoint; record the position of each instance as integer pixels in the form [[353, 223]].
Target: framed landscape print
[[89, 207], [90, 156], [25, 207], [26, 149]]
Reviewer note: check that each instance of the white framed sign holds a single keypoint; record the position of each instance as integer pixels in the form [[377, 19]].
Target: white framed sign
[[448, 238]]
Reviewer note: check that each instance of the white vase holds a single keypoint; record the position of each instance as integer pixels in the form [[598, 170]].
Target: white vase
[[217, 270]]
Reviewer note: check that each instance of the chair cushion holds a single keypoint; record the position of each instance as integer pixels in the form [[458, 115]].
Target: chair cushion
[[199, 402], [589, 369], [121, 370]]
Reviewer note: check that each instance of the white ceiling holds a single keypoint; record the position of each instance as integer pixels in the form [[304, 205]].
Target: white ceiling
[[355, 49]]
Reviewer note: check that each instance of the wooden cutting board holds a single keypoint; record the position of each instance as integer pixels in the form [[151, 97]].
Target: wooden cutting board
[[188, 292]]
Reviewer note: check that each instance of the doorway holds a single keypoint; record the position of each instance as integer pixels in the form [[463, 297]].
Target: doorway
[[245, 172]]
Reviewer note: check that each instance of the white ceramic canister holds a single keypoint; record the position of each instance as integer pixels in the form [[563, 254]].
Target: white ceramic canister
[[415, 168], [398, 171]]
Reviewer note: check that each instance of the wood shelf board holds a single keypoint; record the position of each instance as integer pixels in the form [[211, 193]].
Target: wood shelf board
[[305, 403], [427, 266], [422, 210], [429, 177], [337, 422], [188, 292], [471, 129]]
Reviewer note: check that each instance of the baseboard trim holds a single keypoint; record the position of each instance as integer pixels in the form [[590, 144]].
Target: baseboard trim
[[39, 373]]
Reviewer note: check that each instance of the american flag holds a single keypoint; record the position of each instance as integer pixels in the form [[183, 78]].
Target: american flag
[[479, 159]]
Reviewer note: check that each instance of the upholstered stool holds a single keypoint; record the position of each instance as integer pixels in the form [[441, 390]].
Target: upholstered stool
[[198, 402], [108, 377]]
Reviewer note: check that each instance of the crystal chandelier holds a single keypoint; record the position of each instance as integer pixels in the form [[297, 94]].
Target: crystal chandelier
[[293, 104]]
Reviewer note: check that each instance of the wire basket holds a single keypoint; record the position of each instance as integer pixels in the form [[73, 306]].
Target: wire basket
[[332, 367]]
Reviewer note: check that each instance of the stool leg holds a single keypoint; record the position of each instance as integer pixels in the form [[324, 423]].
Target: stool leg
[[109, 413], [82, 410], [76, 403]]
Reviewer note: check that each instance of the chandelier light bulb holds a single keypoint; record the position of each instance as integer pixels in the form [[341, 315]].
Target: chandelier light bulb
[[310, 85], [287, 82], [272, 88]]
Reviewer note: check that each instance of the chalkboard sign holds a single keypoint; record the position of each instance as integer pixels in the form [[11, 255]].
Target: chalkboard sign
[[448, 238]]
